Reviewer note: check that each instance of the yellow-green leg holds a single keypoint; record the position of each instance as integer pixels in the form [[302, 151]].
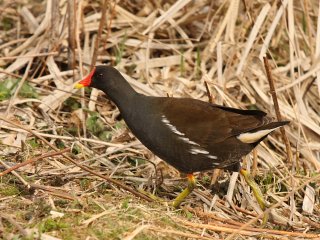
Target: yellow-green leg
[[256, 192], [191, 185]]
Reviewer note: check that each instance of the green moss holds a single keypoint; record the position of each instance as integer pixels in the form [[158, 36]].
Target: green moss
[[9, 190], [52, 224], [27, 91], [62, 203], [253, 107], [85, 184], [4, 94], [100, 233], [96, 126], [33, 143], [125, 203], [119, 125], [105, 136], [189, 215], [8, 86], [117, 232], [71, 104], [143, 236], [267, 181], [67, 234], [60, 144], [7, 23], [76, 149], [206, 180], [132, 214]]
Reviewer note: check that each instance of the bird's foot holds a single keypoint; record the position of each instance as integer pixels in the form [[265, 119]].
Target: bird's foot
[[257, 193], [179, 199], [186, 192]]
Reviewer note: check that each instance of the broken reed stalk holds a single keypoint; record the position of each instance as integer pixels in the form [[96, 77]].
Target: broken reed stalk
[[277, 109], [233, 228], [254, 168], [112, 16], [13, 222], [210, 99], [21, 179], [53, 191], [97, 42], [274, 206], [32, 160], [216, 172], [71, 33], [20, 84], [55, 20]]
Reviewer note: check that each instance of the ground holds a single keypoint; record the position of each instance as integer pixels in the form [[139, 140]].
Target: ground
[[71, 169]]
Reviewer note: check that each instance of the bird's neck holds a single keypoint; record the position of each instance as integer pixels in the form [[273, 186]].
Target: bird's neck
[[122, 94]]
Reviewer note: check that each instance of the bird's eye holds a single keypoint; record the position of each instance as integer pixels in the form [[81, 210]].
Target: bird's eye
[[100, 74]]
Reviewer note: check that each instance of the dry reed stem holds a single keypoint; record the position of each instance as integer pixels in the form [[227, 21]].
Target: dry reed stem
[[21, 179], [71, 33], [100, 29], [216, 220], [180, 233], [293, 191], [32, 160], [174, 48], [54, 192], [15, 224], [277, 109], [269, 233], [113, 181]]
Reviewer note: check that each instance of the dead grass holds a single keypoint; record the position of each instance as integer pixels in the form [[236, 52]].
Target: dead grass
[[162, 47]]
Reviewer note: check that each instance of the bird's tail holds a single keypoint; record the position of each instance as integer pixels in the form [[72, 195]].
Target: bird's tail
[[258, 134]]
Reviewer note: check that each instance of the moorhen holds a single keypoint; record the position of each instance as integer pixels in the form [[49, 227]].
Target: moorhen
[[189, 134]]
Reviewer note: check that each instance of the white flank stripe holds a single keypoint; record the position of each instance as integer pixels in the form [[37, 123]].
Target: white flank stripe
[[197, 150], [254, 136], [165, 120], [187, 140], [173, 128]]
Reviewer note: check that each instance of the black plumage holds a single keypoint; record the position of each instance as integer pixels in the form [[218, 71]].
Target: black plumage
[[189, 134]]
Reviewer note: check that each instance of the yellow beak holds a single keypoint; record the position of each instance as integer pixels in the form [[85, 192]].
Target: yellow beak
[[78, 86]]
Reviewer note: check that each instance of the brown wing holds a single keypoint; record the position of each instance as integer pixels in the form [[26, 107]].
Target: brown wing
[[207, 124], [193, 135]]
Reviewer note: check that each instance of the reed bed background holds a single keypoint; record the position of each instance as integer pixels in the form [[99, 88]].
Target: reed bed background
[[70, 168]]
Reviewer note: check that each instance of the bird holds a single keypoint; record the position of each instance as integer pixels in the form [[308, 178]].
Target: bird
[[189, 134]]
